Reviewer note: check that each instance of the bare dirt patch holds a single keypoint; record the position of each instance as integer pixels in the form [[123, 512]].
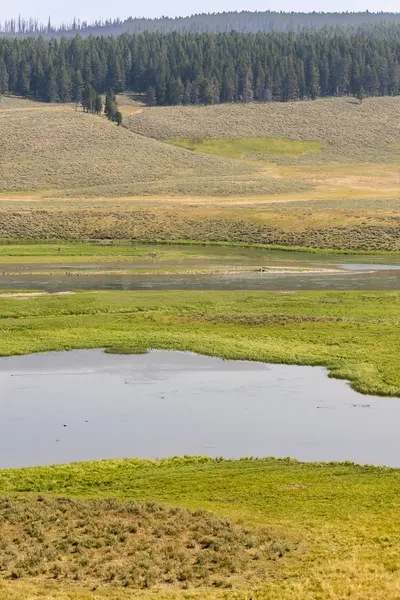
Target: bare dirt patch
[[32, 294]]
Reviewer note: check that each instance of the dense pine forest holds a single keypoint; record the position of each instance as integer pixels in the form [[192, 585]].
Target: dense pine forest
[[243, 22], [206, 68]]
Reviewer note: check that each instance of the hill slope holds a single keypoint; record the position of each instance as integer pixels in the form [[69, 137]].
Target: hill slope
[[53, 147], [321, 174]]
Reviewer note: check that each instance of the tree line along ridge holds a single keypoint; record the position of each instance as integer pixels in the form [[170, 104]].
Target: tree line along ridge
[[242, 21], [205, 68]]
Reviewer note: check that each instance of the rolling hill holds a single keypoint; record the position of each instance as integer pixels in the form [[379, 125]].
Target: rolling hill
[[322, 174]]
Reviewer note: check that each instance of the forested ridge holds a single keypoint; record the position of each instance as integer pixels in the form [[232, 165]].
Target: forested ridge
[[242, 21], [206, 68]]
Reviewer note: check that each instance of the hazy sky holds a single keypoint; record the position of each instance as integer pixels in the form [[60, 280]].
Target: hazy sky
[[91, 10]]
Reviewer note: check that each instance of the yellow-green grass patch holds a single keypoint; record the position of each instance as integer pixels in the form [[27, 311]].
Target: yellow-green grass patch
[[250, 148]]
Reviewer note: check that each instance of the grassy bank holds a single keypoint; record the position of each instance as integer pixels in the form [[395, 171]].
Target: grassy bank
[[345, 225], [338, 522], [354, 334], [57, 251]]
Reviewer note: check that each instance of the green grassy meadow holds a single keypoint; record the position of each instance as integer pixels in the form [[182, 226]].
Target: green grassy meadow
[[183, 255], [353, 334]]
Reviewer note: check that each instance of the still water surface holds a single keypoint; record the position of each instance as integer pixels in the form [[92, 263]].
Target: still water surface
[[353, 277], [87, 405], [361, 272]]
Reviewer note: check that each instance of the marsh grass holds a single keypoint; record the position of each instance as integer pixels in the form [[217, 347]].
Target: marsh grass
[[57, 251], [126, 350], [353, 334]]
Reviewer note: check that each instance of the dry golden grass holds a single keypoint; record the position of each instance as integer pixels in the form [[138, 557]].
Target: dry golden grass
[[108, 543], [368, 225], [360, 144], [55, 147]]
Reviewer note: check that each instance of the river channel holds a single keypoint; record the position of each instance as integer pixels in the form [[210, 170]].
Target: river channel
[[328, 275]]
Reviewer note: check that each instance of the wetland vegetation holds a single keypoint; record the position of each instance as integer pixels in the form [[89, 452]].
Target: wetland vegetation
[[354, 334]]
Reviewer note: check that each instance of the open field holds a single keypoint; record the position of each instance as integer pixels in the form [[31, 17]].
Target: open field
[[247, 148], [321, 174], [335, 526], [353, 334]]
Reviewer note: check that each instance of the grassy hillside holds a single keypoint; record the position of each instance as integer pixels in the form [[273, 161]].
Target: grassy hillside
[[354, 334], [334, 528], [340, 148], [321, 174], [49, 148]]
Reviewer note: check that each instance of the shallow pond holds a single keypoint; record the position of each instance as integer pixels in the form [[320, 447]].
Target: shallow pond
[[88, 405]]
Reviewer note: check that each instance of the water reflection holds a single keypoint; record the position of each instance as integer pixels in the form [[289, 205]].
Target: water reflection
[[353, 279], [87, 405]]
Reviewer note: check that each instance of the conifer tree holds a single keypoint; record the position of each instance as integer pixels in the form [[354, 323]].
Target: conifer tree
[[118, 118], [360, 95], [246, 92], [3, 77], [49, 84], [150, 96], [98, 104], [89, 98], [77, 92], [110, 106]]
